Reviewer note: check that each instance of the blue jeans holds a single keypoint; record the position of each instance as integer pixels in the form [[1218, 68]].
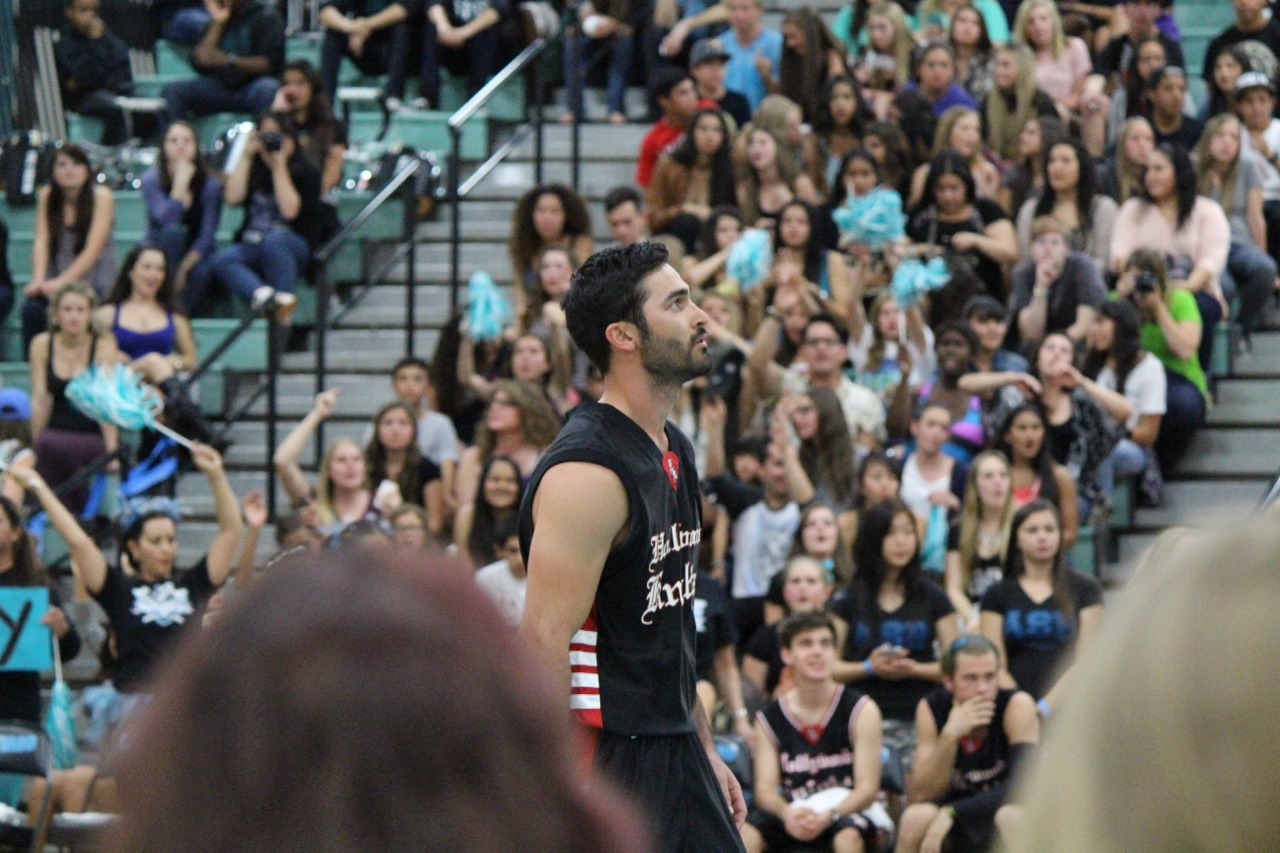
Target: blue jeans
[[205, 96], [477, 60], [579, 54], [1210, 316], [1126, 460], [275, 262], [1185, 409], [1251, 275], [173, 242]]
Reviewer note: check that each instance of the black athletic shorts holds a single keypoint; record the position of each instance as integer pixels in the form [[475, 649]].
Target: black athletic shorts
[[673, 783], [778, 840]]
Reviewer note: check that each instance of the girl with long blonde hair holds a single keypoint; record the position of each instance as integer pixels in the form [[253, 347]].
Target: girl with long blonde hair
[[986, 517]]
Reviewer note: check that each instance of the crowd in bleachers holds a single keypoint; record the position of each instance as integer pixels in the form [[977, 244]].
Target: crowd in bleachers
[[964, 267]]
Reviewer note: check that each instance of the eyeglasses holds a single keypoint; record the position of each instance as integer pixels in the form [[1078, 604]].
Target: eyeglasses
[[822, 342]]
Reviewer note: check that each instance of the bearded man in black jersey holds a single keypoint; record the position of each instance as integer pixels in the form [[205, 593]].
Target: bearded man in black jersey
[[610, 527], [972, 736]]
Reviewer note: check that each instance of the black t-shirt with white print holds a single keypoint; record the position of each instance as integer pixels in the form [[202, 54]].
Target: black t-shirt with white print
[[148, 617]]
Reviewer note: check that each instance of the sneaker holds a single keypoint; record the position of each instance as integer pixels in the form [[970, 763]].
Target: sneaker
[[421, 104], [393, 104], [286, 307], [262, 296]]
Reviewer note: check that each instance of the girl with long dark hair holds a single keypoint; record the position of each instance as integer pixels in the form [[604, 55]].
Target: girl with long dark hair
[[393, 455], [1023, 439], [1171, 217], [694, 178], [895, 617], [800, 258], [1116, 360], [496, 502], [1024, 180], [839, 125], [1041, 613], [1071, 196], [184, 207], [75, 216], [548, 215], [811, 57]]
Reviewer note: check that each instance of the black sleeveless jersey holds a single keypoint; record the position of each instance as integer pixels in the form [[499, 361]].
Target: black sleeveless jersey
[[814, 758], [632, 662], [981, 763]]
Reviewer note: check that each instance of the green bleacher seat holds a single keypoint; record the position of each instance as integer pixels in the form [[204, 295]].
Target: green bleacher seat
[[131, 211], [172, 58], [15, 374], [18, 218], [248, 353], [429, 131], [506, 105], [152, 85], [303, 48], [82, 128], [1083, 556]]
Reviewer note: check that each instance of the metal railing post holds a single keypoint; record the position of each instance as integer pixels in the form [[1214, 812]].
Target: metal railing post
[[455, 214], [324, 288], [575, 145], [538, 92], [273, 407], [409, 200]]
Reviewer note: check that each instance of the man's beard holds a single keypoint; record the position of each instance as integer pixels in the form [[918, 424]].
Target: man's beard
[[671, 362]]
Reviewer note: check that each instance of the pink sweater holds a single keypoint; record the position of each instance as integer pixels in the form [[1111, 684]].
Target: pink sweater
[[1059, 77], [1205, 238]]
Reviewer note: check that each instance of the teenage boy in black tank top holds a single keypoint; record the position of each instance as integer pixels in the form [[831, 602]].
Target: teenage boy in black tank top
[[818, 736], [973, 735], [609, 528]]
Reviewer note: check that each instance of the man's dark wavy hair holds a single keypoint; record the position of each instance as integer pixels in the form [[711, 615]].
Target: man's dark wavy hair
[[609, 288]]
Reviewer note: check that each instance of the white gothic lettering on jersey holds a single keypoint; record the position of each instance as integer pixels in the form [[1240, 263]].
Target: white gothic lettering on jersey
[[669, 541], [663, 595]]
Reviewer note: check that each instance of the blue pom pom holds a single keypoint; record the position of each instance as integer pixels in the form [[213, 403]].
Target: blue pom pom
[[115, 395], [875, 220], [913, 280], [488, 311], [751, 258]]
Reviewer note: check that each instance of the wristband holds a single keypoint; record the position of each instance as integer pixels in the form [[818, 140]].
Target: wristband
[[869, 667], [951, 810], [740, 714], [1043, 707]]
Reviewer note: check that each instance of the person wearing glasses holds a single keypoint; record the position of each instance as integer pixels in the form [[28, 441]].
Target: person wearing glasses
[[820, 364], [972, 735]]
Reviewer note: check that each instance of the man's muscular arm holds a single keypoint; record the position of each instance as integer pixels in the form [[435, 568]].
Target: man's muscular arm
[[567, 555]]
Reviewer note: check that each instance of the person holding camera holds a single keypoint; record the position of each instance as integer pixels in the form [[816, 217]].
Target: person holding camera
[[1170, 217], [1171, 331], [280, 189]]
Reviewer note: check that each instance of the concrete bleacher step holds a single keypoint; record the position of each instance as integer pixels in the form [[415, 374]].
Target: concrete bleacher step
[[249, 451], [1263, 361], [362, 394], [595, 178], [1245, 403], [1246, 453], [1192, 502], [385, 304], [354, 350]]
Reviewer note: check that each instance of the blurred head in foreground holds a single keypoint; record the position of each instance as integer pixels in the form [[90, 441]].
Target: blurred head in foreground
[[1168, 741], [359, 702]]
